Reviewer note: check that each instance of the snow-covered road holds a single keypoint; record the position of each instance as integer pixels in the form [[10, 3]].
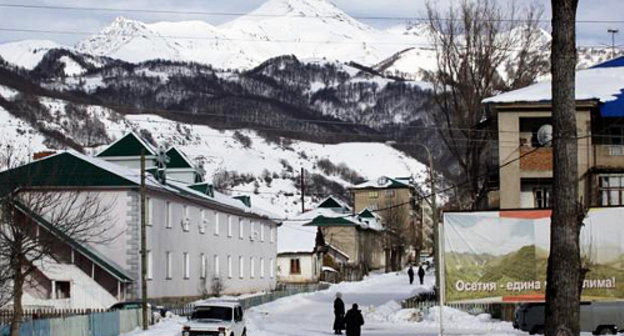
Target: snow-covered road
[[378, 296]]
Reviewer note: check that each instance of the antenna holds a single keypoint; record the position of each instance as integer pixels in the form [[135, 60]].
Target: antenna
[[613, 31]]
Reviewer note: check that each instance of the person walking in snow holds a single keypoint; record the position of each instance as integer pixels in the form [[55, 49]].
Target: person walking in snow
[[339, 314], [354, 321], [410, 274], [421, 274]]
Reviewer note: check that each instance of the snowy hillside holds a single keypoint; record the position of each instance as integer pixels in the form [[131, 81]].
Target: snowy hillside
[[239, 162], [27, 53]]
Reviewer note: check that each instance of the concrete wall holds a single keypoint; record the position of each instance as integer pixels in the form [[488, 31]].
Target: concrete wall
[[309, 265], [511, 194], [188, 233], [344, 238]]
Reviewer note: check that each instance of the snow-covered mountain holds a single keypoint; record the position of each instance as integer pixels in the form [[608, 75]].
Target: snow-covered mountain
[[304, 28], [27, 53]]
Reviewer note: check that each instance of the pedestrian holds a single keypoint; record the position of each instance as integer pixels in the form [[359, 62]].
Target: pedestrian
[[339, 314], [421, 274], [410, 273], [354, 321]]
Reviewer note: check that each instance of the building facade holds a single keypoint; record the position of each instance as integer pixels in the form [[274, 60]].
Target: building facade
[[194, 234], [525, 157]]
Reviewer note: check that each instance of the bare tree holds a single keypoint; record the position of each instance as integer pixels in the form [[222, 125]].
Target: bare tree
[[481, 49], [563, 289], [24, 242], [396, 233]]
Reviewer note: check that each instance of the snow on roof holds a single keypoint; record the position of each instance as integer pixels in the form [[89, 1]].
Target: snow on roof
[[382, 182], [147, 146], [295, 238], [331, 202], [600, 83]]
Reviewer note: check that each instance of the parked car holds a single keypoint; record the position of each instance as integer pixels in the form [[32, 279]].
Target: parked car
[[157, 312], [600, 318], [216, 318]]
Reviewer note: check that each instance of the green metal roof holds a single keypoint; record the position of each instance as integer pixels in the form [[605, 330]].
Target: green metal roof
[[330, 202], [177, 159], [330, 221], [366, 214], [245, 199], [87, 251], [128, 145], [60, 170], [205, 188]]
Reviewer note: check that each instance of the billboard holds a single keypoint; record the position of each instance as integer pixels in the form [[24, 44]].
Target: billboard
[[502, 255]]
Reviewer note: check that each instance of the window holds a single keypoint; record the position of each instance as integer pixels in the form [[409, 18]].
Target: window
[[261, 232], [252, 231], [295, 267], [261, 267], [202, 221], [612, 189], [271, 268], [390, 193], [229, 225], [216, 223], [202, 266], [148, 211], [186, 221], [541, 197], [229, 266], [373, 194], [252, 268], [241, 230], [62, 289], [149, 266], [168, 215], [168, 264], [241, 267], [187, 265], [272, 234], [217, 270]]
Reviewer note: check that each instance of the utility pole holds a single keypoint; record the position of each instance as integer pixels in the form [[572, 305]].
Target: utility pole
[[302, 190], [143, 245], [613, 32]]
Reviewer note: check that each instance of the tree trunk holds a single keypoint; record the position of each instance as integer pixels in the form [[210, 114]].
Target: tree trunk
[[564, 262], [18, 290]]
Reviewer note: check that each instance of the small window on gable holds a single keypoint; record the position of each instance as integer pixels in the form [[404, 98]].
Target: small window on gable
[[62, 289]]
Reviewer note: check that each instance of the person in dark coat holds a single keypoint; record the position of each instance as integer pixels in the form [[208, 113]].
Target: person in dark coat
[[410, 274], [421, 274], [354, 321], [339, 314]]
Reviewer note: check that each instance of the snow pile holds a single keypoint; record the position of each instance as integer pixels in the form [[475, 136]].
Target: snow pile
[[457, 319]]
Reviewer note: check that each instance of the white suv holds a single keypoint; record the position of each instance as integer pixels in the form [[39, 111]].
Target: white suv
[[216, 318]]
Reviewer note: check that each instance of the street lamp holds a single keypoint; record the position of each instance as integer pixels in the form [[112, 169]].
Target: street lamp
[[436, 227]]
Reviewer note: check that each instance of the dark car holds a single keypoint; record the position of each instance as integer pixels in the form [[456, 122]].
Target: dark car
[[599, 318]]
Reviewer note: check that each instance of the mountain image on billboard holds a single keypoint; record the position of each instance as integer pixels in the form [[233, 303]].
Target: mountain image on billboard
[[503, 256]]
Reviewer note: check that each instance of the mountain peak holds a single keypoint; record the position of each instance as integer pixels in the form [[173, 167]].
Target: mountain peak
[[302, 8]]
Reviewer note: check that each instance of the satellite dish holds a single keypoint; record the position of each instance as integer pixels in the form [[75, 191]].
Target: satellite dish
[[382, 181], [544, 135]]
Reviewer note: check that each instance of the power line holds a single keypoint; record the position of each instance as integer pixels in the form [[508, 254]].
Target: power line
[[298, 16]]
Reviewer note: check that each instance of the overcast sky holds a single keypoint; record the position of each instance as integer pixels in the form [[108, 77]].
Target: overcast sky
[[93, 21]]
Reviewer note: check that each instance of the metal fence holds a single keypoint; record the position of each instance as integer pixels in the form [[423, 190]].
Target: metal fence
[[502, 311], [256, 300], [6, 315], [89, 324]]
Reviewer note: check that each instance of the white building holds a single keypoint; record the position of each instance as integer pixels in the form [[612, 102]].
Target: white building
[[194, 234]]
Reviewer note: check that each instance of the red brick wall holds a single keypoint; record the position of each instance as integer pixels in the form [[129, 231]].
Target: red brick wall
[[536, 160]]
